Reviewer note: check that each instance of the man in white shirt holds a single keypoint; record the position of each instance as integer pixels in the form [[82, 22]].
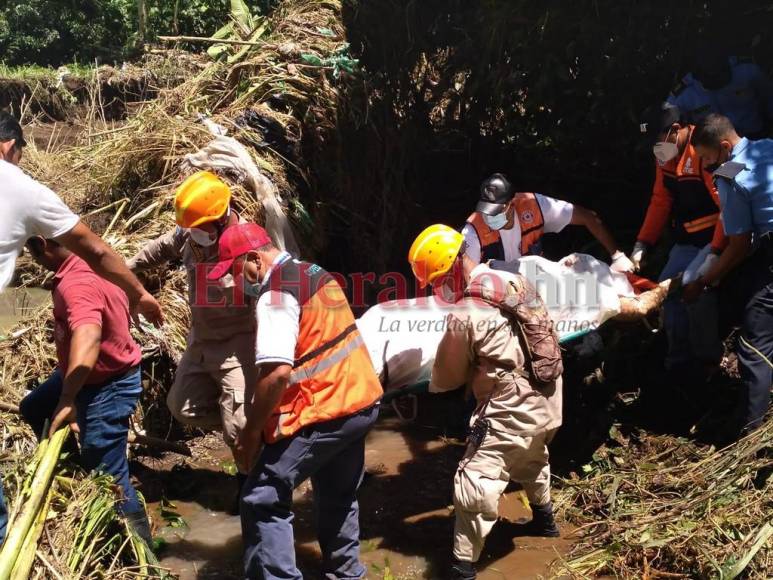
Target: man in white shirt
[[31, 209], [507, 224]]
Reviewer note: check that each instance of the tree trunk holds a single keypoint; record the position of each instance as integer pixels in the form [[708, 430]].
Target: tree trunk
[[175, 23], [142, 19]]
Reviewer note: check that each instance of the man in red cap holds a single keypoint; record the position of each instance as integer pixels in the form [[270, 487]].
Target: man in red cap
[[307, 416]]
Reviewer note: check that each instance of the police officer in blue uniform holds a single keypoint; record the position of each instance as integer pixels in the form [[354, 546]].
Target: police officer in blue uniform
[[734, 87], [743, 172]]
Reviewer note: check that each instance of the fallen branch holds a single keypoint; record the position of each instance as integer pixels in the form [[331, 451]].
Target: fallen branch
[[157, 443], [8, 407], [209, 40], [31, 507]]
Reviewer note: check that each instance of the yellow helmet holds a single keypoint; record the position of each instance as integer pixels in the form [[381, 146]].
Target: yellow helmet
[[433, 252], [203, 197]]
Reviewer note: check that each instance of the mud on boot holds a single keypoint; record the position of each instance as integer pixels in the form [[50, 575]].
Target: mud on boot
[[139, 524], [542, 523], [462, 570]]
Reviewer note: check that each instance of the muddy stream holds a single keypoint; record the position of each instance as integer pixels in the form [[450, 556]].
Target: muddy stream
[[18, 303], [405, 512]]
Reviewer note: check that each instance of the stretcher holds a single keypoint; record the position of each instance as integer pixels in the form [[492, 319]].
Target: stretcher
[[423, 386], [639, 297]]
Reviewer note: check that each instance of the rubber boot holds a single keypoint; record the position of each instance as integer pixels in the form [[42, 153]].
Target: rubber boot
[[462, 570], [235, 508], [542, 523], [138, 522]]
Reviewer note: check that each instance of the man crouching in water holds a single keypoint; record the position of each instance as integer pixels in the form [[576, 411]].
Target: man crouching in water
[[517, 413]]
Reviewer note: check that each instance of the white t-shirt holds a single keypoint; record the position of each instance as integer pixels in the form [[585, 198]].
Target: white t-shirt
[[279, 317], [556, 213], [27, 208]]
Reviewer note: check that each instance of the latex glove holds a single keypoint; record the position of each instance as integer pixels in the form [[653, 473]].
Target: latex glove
[[621, 263], [637, 255], [711, 258]]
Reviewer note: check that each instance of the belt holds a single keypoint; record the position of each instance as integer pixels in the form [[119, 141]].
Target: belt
[[117, 377]]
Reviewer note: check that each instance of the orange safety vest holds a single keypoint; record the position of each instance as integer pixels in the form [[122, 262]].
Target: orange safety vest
[[684, 194], [332, 375], [529, 214]]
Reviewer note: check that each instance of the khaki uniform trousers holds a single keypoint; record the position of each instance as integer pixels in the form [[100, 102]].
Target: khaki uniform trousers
[[208, 389], [482, 477]]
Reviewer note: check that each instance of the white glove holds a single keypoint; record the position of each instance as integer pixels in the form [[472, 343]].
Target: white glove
[[711, 258], [621, 263], [637, 255]]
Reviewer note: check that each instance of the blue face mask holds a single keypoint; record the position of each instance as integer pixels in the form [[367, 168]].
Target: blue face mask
[[251, 289], [496, 222]]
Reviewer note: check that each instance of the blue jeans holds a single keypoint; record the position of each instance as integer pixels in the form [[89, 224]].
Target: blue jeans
[[103, 418], [332, 454], [3, 514], [692, 330]]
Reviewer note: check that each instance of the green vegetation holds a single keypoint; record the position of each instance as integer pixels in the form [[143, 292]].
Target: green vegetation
[[53, 32]]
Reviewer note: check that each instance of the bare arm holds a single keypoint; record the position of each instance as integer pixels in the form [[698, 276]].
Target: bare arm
[[585, 217], [736, 252], [84, 350], [260, 402], [109, 265]]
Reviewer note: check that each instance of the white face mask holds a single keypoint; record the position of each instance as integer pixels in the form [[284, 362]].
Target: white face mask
[[665, 151], [201, 237], [496, 222]]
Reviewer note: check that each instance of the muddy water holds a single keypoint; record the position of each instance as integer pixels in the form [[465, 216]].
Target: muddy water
[[16, 303], [406, 518]]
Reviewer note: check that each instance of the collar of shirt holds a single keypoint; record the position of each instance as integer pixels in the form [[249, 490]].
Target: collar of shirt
[[66, 266], [281, 258], [739, 147]]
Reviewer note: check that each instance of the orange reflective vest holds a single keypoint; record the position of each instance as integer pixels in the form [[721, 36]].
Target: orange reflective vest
[[685, 196], [531, 220], [333, 375]]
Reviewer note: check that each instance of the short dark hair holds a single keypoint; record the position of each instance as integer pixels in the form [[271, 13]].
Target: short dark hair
[[10, 130], [35, 244], [712, 130]]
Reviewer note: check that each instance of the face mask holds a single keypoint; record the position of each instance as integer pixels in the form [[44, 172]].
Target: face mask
[[712, 167], [496, 222], [665, 151], [201, 237], [451, 289], [250, 288]]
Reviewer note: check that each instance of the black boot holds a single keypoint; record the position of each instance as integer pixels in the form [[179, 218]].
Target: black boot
[[138, 522], [542, 523], [235, 508], [462, 570]]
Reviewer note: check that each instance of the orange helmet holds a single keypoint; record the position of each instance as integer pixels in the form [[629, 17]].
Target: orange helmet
[[433, 252], [201, 198]]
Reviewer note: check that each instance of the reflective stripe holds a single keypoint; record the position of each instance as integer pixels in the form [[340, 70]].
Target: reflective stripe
[[327, 346], [306, 373], [701, 223]]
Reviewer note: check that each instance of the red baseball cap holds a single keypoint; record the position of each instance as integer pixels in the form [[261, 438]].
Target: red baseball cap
[[236, 241]]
